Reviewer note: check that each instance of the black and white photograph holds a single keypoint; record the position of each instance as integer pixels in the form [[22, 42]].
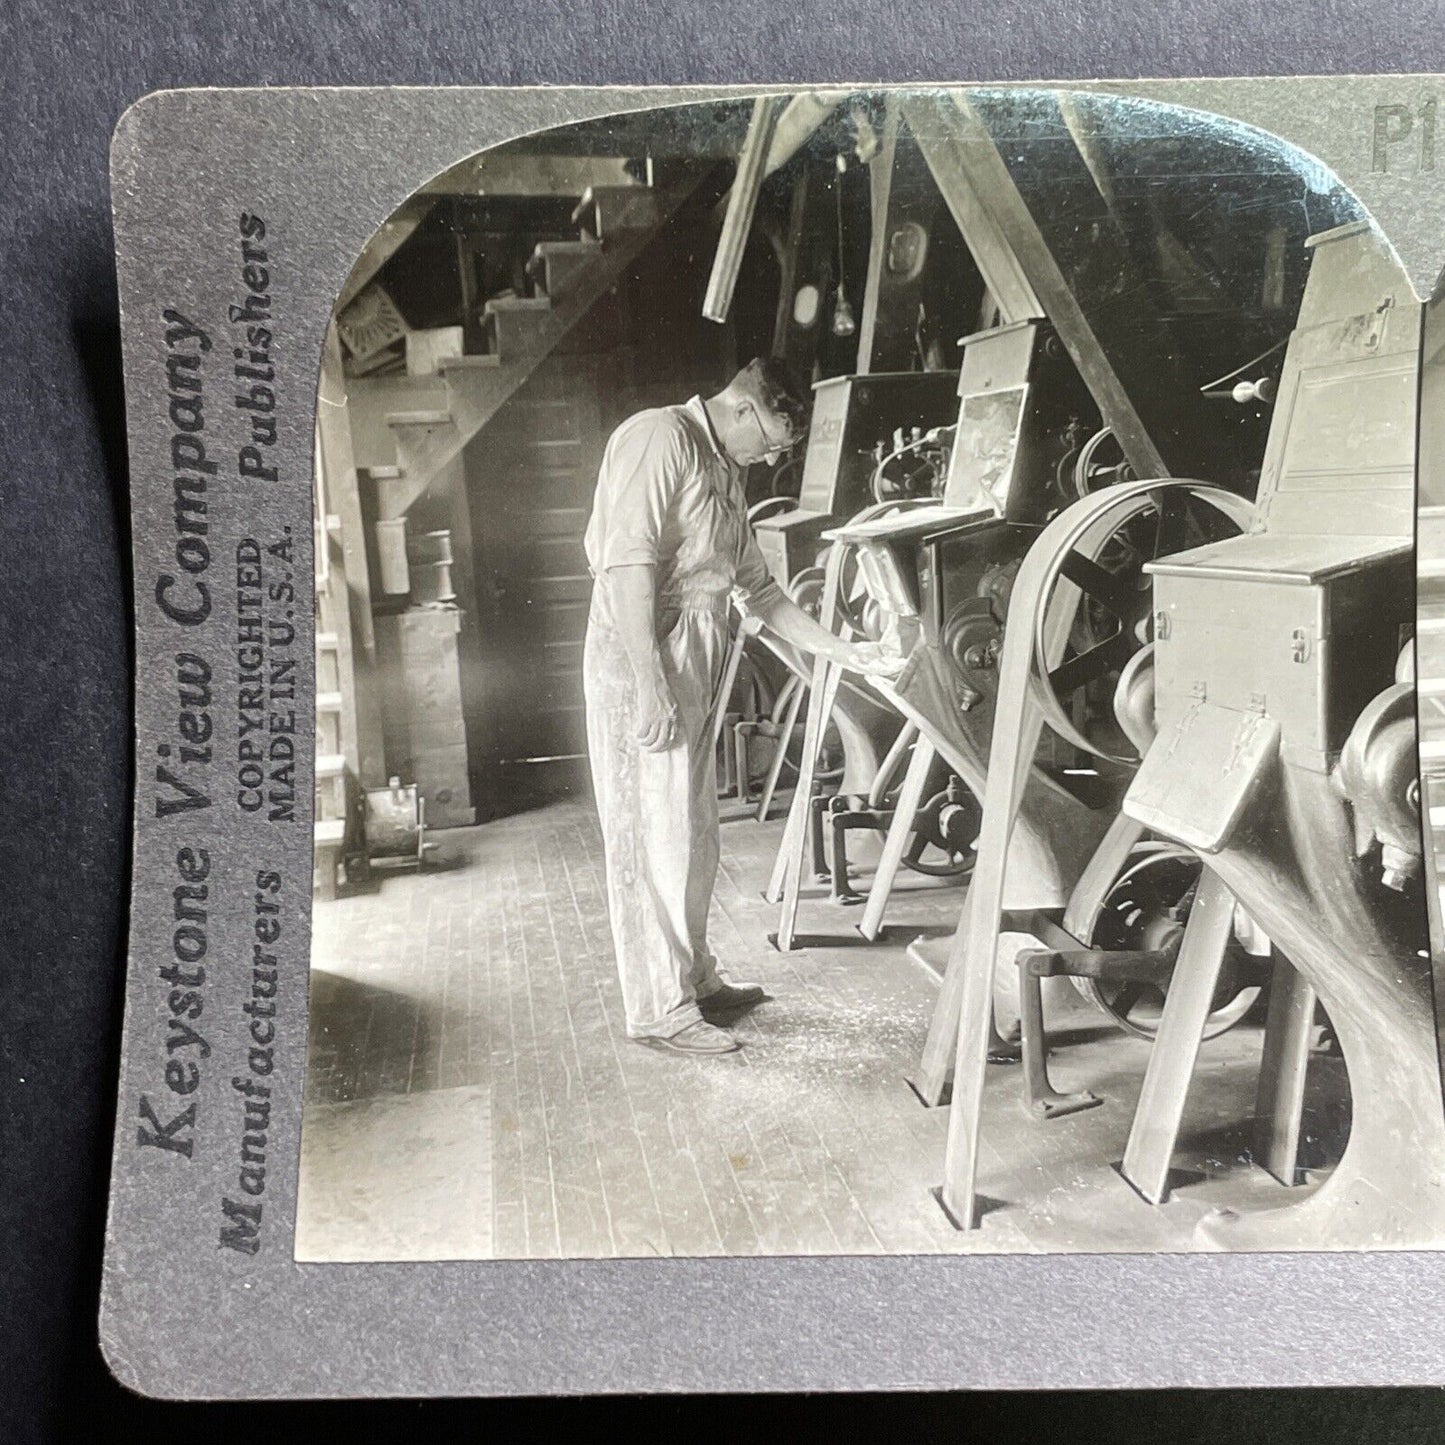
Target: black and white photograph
[[866, 695], [732, 702]]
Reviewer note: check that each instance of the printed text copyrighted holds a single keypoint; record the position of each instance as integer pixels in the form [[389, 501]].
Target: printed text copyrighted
[[221, 421]]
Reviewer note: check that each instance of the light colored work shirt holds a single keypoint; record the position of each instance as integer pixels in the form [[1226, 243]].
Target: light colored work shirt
[[668, 496]]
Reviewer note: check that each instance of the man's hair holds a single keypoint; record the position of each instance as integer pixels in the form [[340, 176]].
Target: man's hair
[[775, 387]]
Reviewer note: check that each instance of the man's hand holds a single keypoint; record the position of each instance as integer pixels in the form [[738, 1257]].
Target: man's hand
[[780, 614], [874, 659], [657, 728], [634, 605]]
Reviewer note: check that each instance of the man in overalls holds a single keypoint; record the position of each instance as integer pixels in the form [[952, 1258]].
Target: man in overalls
[[667, 543]]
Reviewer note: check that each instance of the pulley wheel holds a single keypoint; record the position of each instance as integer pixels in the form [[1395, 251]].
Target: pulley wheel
[[1103, 558], [1147, 908], [1091, 474], [945, 830]]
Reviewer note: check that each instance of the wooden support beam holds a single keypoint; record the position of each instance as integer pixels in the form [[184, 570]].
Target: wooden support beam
[[349, 580], [799, 121], [880, 184], [390, 237], [798, 124], [788, 277], [936, 129]]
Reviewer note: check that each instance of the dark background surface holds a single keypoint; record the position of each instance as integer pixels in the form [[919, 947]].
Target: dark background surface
[[67, 71]]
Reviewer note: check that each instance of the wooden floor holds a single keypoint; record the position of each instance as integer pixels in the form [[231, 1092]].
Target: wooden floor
[[471, 1092]]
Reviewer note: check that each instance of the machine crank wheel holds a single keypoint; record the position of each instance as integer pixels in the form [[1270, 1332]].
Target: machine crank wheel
[[1147, 908], [1090, 473], [806, 589], [944, 833], [1102, 558]]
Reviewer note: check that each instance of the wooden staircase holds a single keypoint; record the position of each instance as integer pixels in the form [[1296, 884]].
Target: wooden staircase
[[451, 405], [386, 441]]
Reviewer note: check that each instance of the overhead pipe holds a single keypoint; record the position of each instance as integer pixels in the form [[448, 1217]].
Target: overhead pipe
[[742, 203]]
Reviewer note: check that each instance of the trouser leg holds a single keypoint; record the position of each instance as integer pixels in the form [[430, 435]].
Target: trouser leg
[[702, 874], [644, 806]]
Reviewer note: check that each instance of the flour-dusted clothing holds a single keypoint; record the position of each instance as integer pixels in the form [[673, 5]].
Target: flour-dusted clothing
[[668, 497]]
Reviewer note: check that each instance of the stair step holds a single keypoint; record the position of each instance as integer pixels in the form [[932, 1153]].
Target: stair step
[[327, 642], [554, 265], [329, 832], [544, 251], [330, 765], [517, 303], [385, 474], [565, 248], [514, 324], [480, 359], [417, 418], [605, 210], [328, 702], [425, 348]]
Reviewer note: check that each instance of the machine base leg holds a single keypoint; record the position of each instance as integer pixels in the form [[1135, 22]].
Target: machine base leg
[[1041, 1100], [780, 752], [1187, 1006], [1301, 884], [786, 881], [899, 831], [940, 1099], [1279, 1106]]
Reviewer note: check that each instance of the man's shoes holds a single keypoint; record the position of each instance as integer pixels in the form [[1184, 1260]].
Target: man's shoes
[[730, 998], [697, 1038]]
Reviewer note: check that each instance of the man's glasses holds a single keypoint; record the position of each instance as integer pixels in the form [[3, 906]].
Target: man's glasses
[[771, 449]]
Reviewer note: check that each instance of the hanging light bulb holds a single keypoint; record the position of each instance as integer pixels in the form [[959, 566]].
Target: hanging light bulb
[[844, 323]]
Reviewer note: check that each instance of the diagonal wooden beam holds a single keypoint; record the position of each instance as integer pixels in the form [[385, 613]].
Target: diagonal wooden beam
[[1015, 260], [348, 580], [937, 133], [393, 235], [880, 186], [799, 122]]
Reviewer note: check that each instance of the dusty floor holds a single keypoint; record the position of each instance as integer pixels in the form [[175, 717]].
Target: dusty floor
[[471, 1092]]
